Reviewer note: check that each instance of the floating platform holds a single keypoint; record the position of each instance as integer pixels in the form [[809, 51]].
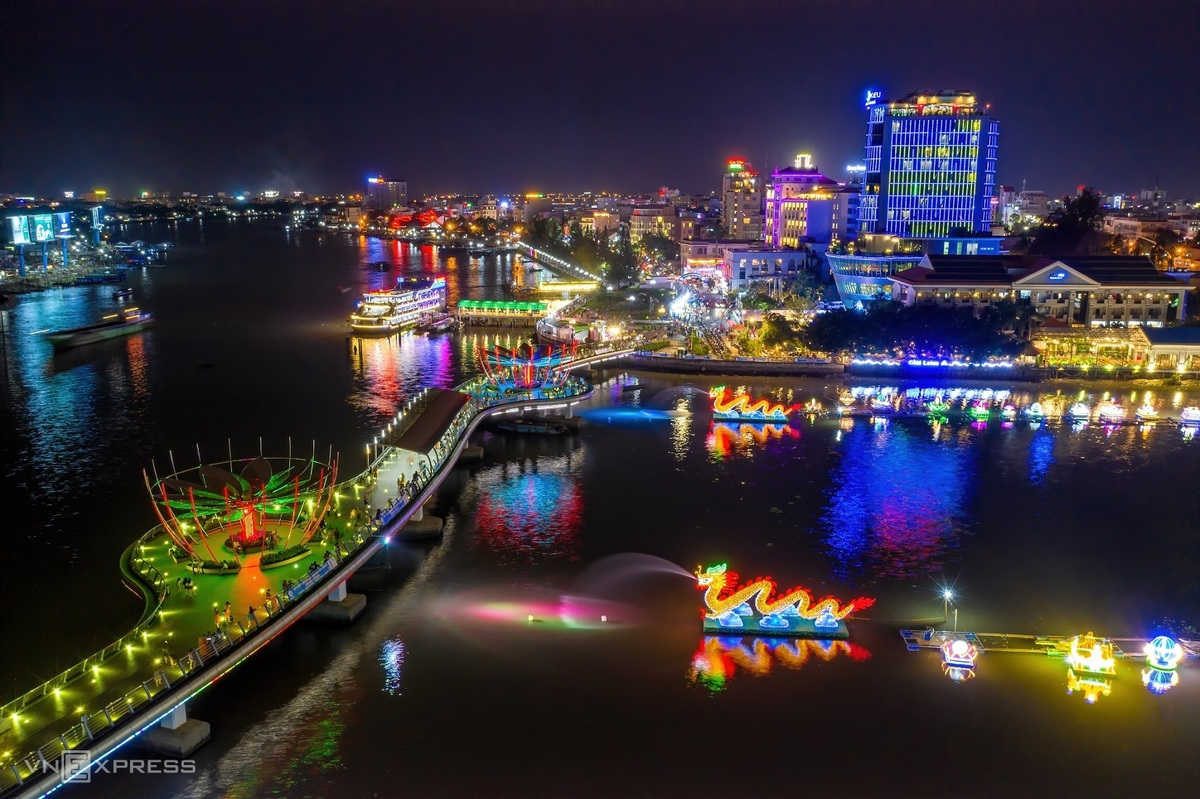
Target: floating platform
[[1020, 643], [796, 628]]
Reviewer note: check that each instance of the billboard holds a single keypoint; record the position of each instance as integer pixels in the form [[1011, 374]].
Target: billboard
[[97, 216], [18, 229], [62, 225], [42, 226]]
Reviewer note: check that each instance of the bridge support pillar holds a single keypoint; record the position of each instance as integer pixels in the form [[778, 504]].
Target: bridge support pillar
[[570, 414], [176, 734], [340, 607]]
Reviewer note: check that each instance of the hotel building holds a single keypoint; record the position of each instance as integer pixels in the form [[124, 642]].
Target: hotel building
[[741, 201], [931, 165], [805, 207]]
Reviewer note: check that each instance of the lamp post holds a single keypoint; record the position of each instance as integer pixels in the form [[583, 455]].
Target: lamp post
[[947, 595]]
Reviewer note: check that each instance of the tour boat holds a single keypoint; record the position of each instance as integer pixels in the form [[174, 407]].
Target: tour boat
[[438, 323], [881, 405], [980, 410], [1079, 412], [1147, 413], [113, 325], [1110, 412], [1190, 415], [1008, 413], [1035, 412], [384, 312]]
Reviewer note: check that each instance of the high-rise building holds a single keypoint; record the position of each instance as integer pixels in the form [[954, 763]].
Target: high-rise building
[[931, 165], [741, 202], [806, 207], [386, 192]]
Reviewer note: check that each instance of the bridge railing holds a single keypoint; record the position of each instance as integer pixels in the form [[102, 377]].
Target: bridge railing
[[170, 672]]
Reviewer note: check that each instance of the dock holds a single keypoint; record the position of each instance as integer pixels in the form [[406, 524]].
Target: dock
[[1026, 643]]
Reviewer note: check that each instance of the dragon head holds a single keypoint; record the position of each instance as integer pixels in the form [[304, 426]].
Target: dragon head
[[716, 391], [712, 576]]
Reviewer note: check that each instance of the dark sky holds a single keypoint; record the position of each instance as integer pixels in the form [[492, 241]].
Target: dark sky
[[500, 96]]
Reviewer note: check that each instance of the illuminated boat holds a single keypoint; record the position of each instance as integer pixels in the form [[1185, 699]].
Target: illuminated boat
[[1079, 412], [846, 401], [384, 312], [879, 405], [1035, 412], [1147, 413], [1008, 413], [1190, 415], [813, 407], [960, 653], [114, 325], [1110, 412], [437, 323], [937, 408], [555, 331], [980, 410]]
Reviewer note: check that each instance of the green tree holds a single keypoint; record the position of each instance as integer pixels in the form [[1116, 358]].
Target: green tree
[[1073, 229]]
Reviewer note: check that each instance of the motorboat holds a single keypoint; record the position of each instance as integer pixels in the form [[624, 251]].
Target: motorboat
[[123, 294], [112, 326], [1147, 413]]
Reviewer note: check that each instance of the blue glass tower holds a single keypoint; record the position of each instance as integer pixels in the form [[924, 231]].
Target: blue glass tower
[[931, 165]]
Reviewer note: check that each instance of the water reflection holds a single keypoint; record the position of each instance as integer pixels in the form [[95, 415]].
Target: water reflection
[[897, 505], [530, 512], [391, 658], [726, 438], [718, 658]]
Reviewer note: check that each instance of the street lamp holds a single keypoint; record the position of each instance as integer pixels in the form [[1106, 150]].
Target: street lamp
[[947, 595]]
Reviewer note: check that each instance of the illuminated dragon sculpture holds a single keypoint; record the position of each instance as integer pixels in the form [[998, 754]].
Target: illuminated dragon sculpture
[[727, 405], [779, 611]]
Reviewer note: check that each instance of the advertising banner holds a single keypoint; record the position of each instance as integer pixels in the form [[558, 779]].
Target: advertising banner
[[18, 229], [62, 225], [42, 226]]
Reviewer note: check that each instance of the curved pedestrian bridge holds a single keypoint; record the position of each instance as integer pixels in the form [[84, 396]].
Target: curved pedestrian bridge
[[199, 625]]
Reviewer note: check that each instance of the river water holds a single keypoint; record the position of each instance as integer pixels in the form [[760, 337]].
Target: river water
[[483, 666]]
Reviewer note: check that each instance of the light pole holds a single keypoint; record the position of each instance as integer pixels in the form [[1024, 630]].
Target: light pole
[[947, 595]]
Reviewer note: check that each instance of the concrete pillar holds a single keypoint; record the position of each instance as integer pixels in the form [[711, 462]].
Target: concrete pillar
[[570, 414], [338, 593], [176, 718]]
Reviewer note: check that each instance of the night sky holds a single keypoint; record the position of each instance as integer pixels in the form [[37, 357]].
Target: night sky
[[570, 96]]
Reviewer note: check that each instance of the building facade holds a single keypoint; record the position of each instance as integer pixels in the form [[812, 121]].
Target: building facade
[[1083, 291], [742, 201], [931, 165], [386, 193]]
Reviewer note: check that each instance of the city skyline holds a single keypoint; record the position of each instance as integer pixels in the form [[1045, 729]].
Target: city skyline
[[485, 98]]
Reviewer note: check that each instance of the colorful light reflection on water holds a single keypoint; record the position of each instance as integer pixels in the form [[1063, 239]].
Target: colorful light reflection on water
[[718, 658], [529, 516], [896, 508]]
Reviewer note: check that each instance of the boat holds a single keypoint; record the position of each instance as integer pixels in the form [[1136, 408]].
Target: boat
[[1079, 412], [389, 311], [632, 385], [379, 266], [1110, 412], [556, 331], [538, 426], [122, 294], [980, 411], [1008, 413], [879, 405], [814, 407], [1035, 412], [437, 323], [1147, 413], [113, 325], [1190, 416]]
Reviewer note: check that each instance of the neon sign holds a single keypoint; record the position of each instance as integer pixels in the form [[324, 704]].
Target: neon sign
[[1059, 275], [872, 98], [736, 164]]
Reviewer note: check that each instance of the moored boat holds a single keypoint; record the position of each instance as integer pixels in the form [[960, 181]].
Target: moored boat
[[386, 312], [1110, 412], [1147, 413], [1079, 412], [1190, 416], [114, 325], [1035, 412]]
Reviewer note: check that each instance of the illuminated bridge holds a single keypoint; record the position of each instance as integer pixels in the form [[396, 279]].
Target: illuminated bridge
[[139, 685]]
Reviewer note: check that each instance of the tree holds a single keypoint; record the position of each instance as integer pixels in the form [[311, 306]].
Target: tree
[[1073, 229]]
